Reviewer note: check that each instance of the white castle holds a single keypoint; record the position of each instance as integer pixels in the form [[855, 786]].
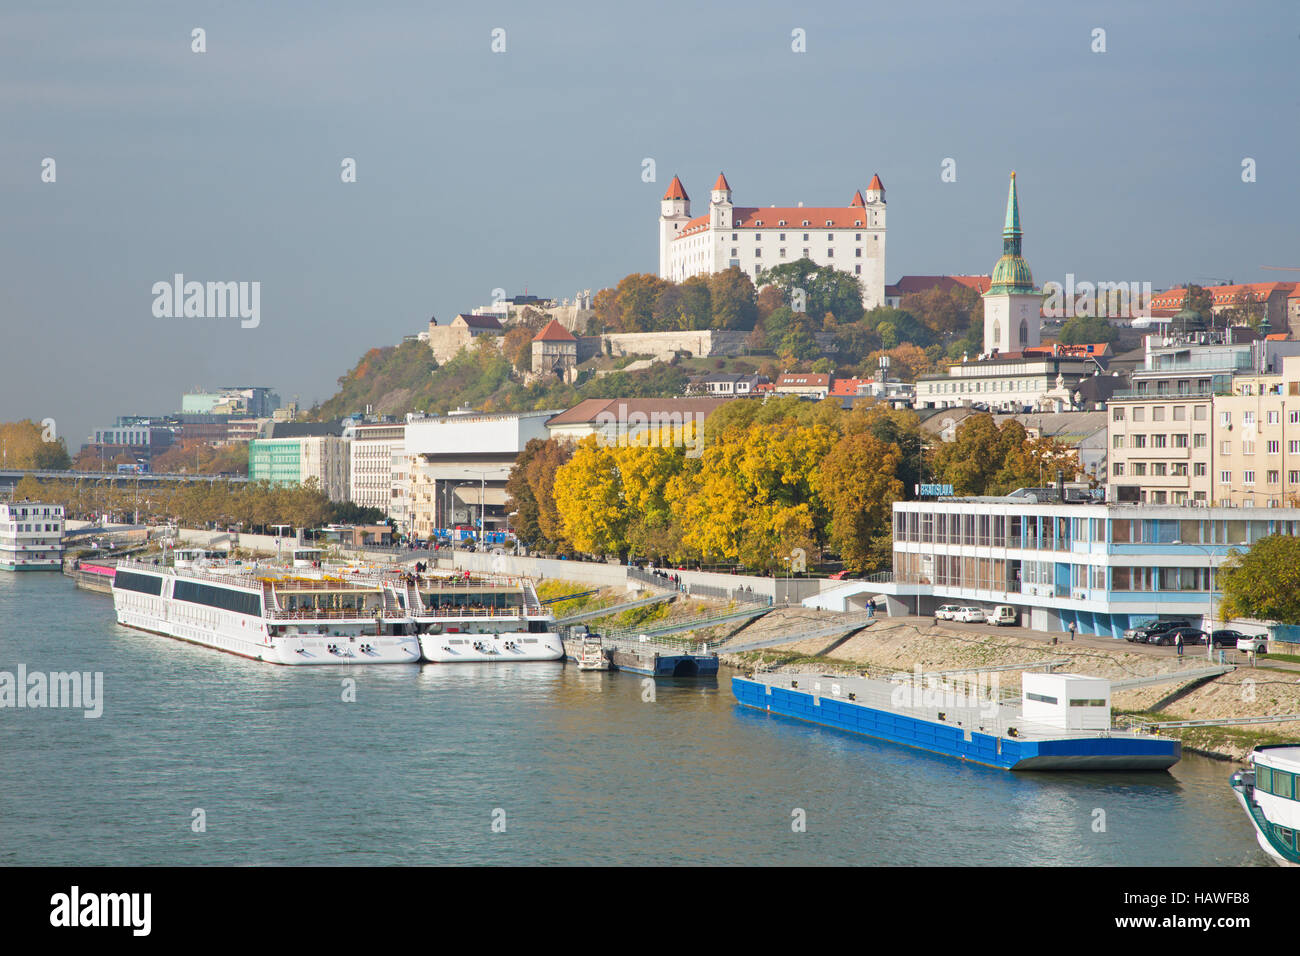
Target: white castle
[[849, 238]]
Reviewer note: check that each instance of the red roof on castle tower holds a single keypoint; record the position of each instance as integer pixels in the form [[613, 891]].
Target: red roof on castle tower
[[857, 199], [722, 183], [676, 190], [554, 332], [876, 183]]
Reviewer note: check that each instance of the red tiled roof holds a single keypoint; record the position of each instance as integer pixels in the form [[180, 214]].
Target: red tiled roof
[[876, 183], [1225, 294], [910, 284], [857, 199], [847, 387], [771, 217], [676, 190], [803, 380], [554, 332], [722, 183], [1277, 337]]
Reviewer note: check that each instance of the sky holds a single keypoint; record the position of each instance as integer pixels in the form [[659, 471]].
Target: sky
[[523, 169]]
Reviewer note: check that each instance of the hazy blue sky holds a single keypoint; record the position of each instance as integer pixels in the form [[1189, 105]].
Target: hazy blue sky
[[523, 169]]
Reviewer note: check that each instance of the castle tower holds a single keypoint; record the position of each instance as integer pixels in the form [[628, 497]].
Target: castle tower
[[720, 205], [1012, 304], [674, 212]]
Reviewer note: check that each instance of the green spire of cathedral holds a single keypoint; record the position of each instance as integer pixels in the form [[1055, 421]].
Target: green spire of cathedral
[[1011, 274]]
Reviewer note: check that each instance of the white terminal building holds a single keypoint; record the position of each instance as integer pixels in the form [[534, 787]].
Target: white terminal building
[[753, 238], [1103, 567]]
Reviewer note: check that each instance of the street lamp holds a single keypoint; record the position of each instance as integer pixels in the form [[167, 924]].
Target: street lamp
[[1209, 585], [788, 576]]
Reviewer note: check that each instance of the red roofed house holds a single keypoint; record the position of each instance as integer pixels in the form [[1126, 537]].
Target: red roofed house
[[1281, 305], [910, 284], [804, 384], [753, 238], [555, 350]]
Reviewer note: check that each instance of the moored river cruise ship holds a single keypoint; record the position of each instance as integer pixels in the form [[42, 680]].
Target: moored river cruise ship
[[1269, 795], [336, 614]]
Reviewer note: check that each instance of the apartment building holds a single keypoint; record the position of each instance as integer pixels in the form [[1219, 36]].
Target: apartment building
[[374, 451], [1163, 433], [1257, 440]]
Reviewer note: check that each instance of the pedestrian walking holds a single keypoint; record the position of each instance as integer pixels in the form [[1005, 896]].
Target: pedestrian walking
[[1178, 642], [1073, 627]]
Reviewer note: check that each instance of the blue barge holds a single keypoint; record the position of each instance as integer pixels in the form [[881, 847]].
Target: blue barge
[[1047, 730]]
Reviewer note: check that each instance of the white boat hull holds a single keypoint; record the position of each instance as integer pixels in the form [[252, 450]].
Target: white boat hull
[[247, 637], [454, 648]]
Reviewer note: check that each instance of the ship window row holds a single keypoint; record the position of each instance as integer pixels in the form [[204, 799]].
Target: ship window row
[[1280, 783], [238, 601], [132, 581], [1058, 533]]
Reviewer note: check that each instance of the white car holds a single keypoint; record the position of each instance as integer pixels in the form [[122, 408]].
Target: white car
[[968, 615], [945, 612], [1253, 645]]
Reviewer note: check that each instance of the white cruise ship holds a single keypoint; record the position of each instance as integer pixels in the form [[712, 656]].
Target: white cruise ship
[[277, 615], [461, 618], [1269, 796], [336, 614], [31, 536]]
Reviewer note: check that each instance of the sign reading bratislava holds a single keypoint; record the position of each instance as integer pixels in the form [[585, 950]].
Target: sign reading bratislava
[[935, 491]]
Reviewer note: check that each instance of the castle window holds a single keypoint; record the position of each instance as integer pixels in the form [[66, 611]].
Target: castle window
[[758, 253], [805, 253], [805, 222], [857, 270], [828, 223], [783, 237], [857, 237], [758, 237], [758, 222], [781, 222], [857, 222], [734, 237], [782, 254], [830, 253], [735, 252], [858, 253]]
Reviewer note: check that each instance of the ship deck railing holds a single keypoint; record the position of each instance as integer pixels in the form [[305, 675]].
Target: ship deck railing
[[517, 611], [996, 717], [336, 614]]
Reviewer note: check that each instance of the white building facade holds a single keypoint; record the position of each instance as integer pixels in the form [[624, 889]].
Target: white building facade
[[753, 238], [31, 536], [371, 478]]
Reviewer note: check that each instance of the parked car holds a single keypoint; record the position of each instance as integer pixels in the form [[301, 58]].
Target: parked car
[[1253, 645], [1143, 633], [945, 612], [1002, 614], [968, 615], [1226, 638], [1190, 635]]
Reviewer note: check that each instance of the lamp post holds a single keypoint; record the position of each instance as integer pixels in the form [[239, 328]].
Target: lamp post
[[1209, 586], [788, 575]]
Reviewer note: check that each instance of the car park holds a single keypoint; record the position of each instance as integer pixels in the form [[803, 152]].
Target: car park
[[1226, 637], [1253, 645], [1143, 633], [1190, 636], [1002, 614], [945, 612]]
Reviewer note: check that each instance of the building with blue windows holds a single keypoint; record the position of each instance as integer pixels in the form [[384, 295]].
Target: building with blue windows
[[1103, 567]]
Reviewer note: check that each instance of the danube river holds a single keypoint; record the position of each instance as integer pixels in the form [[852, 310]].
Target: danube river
[[514, 764]]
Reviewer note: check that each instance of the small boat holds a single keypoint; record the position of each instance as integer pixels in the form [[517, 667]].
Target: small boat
[[1268, 795], [592, 655]]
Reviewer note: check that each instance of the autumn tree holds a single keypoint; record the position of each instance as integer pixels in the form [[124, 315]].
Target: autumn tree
[[946, 312], [531, 487], [733, 300], [517, 346], [987, 459], [859, 481], [1264, 582]]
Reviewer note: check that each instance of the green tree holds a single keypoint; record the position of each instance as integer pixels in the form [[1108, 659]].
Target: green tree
[[733, 300], [825, 289], [1082, 330], [1264, 582]]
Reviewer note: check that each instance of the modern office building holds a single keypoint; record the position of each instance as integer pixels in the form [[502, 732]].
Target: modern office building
[[374, 449], [295, 452], [1104, 567]]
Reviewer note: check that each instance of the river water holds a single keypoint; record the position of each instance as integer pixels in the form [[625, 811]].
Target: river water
[[514, 764]]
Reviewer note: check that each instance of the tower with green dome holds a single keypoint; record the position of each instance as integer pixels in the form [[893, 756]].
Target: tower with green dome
[[1012, 304]]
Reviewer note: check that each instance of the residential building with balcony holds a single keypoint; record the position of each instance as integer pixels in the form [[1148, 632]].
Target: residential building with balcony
[[31, 536], [1163, 432], [1257, 444]]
